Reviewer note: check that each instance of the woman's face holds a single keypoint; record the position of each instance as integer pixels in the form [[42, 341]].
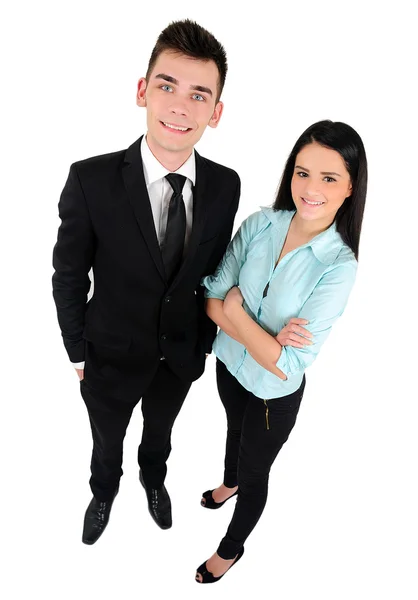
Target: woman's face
[[320, 184]]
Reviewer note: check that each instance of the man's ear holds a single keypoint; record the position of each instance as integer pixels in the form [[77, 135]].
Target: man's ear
[[140, 95], [216, 116]]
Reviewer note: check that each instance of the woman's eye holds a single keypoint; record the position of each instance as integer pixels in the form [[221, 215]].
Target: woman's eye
[[302, 174], [329, 179]]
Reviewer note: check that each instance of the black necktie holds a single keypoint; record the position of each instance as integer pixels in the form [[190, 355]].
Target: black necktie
[[173, 244]]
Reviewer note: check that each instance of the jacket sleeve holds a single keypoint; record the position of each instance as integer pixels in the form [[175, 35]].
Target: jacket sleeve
[[226, 274], [207, 328], [72, 259]]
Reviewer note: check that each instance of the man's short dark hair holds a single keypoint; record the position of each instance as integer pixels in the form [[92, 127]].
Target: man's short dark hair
[[188, 38]]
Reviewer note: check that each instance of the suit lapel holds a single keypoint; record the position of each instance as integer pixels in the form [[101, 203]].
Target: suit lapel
[[133, 176]]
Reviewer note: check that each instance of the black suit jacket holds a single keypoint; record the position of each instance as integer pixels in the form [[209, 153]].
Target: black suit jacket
[[107, 224]]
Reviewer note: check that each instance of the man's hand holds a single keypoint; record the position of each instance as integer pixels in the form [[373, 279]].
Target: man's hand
[[80, 373], [295, 335]]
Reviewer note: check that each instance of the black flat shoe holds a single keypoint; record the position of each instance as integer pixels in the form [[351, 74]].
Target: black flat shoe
[[159, 504], [96, 519], [207, 577], [210, 502]]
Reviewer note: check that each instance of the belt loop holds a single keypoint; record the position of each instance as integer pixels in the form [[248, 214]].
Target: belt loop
[[267, 414]]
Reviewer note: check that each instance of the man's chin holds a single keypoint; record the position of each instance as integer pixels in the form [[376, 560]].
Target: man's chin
[[173, 146]]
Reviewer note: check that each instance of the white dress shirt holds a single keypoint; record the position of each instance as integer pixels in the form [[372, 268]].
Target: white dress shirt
[[160, 192]]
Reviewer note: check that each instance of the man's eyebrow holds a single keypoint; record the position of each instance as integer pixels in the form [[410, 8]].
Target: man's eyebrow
[[322, 172], [201, 88], [167, 78], [196, 88]]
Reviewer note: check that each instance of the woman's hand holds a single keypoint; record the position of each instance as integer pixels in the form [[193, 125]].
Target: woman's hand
[[233, 299], [291, 334]]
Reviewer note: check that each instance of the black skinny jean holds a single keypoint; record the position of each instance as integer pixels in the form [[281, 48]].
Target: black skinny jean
[[257, 429]]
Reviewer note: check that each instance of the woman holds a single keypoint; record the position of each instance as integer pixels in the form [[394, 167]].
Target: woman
[[295, 265]]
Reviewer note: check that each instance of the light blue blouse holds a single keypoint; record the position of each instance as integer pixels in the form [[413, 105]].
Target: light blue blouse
[[312, 282]]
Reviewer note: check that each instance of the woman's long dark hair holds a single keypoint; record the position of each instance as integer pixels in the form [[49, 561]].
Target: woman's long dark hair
[[347, 142]]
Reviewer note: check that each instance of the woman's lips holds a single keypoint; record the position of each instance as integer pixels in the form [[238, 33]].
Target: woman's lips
[[313, 203]]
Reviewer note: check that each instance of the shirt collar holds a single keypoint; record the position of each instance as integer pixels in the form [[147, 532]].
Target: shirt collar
[[154, 170], [326, 245]]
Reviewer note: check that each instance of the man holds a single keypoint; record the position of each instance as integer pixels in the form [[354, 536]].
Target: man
[[151, 221]]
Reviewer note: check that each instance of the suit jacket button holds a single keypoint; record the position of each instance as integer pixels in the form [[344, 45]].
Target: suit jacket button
[[168, 299], [163, 337]]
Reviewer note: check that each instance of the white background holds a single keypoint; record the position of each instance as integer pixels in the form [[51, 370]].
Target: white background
[[340, 522]]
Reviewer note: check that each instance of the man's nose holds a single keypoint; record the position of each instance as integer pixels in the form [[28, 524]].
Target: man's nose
[[179, 108]]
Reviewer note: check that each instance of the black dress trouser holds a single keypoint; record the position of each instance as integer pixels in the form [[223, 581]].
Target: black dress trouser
[[109, 419], [257, 430]]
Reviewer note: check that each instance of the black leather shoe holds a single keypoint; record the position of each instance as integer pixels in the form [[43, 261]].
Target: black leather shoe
[[159, 504], [96, 519]]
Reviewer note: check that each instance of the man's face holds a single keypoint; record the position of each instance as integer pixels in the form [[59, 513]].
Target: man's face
[[180, 98]]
